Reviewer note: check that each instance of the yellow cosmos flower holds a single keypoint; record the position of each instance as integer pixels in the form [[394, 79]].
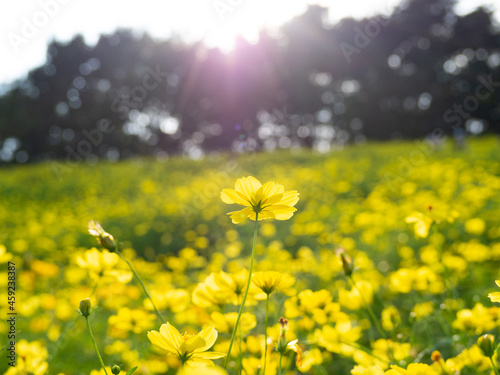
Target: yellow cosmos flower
[[268, 201], [495, 297], [190, 349], [270, 280], [413, 369]]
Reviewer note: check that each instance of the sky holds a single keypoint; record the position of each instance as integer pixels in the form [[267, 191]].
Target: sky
[[27, 26]]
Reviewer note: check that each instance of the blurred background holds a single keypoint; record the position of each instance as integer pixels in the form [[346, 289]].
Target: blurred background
[[195, 77]]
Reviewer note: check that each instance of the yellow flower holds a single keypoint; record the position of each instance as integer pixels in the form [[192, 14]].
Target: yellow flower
[[390, 318], [207, 371], [127, 320], [104, 238], [422, 224], [372, 370], [269, 201], [293, 345], [226, 322], [495, 297], [190, 349], [221, 288], [413, 369], [31, 359], [270, 280], [101, 264]]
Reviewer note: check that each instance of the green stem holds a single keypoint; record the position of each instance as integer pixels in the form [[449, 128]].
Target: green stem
[[279, 366], [240, 354], [246, 291], [68, 327], [495, 368], [265, 335], [95, 345], [142, 284], [450, 288]]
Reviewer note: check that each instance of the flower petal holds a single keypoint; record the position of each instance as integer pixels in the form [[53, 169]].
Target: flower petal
[[230, 196], [240, 216], [160, 341], [263, 215], [247, 186], [209, 334], [172, 335], [192, 344], [208, 355], [281, 212], [269, 193], [494, 297], [290, 198]]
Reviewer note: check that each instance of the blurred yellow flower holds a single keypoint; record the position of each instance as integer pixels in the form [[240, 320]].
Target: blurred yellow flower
[[220, 288], [190, 349], [270, 280], [31, 359], [475, 226], [293, 345], [226, 322], [390, 318], [372, 370], [422, 224], [101, 264], [495, 296], [127, 320], [4, 255], [269, 201]]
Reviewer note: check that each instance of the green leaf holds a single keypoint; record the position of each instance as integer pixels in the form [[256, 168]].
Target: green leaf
[[131, 371]]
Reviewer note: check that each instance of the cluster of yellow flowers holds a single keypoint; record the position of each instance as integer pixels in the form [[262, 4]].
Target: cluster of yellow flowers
[[372, 275]]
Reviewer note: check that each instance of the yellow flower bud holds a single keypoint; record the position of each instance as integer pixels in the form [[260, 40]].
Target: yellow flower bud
[[487, 344], [85, 307], [115, 369], [282, 343], [347, 264], [108, 242]]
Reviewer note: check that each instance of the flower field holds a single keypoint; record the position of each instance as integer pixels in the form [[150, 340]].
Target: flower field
[[382, 266]]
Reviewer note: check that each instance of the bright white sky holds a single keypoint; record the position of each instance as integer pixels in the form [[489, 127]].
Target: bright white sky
[[192, 19]]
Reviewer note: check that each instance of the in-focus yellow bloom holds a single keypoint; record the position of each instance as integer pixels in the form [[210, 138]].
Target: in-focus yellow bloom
[[270, 200], [190, 349], [270, 280], [495, 296]]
